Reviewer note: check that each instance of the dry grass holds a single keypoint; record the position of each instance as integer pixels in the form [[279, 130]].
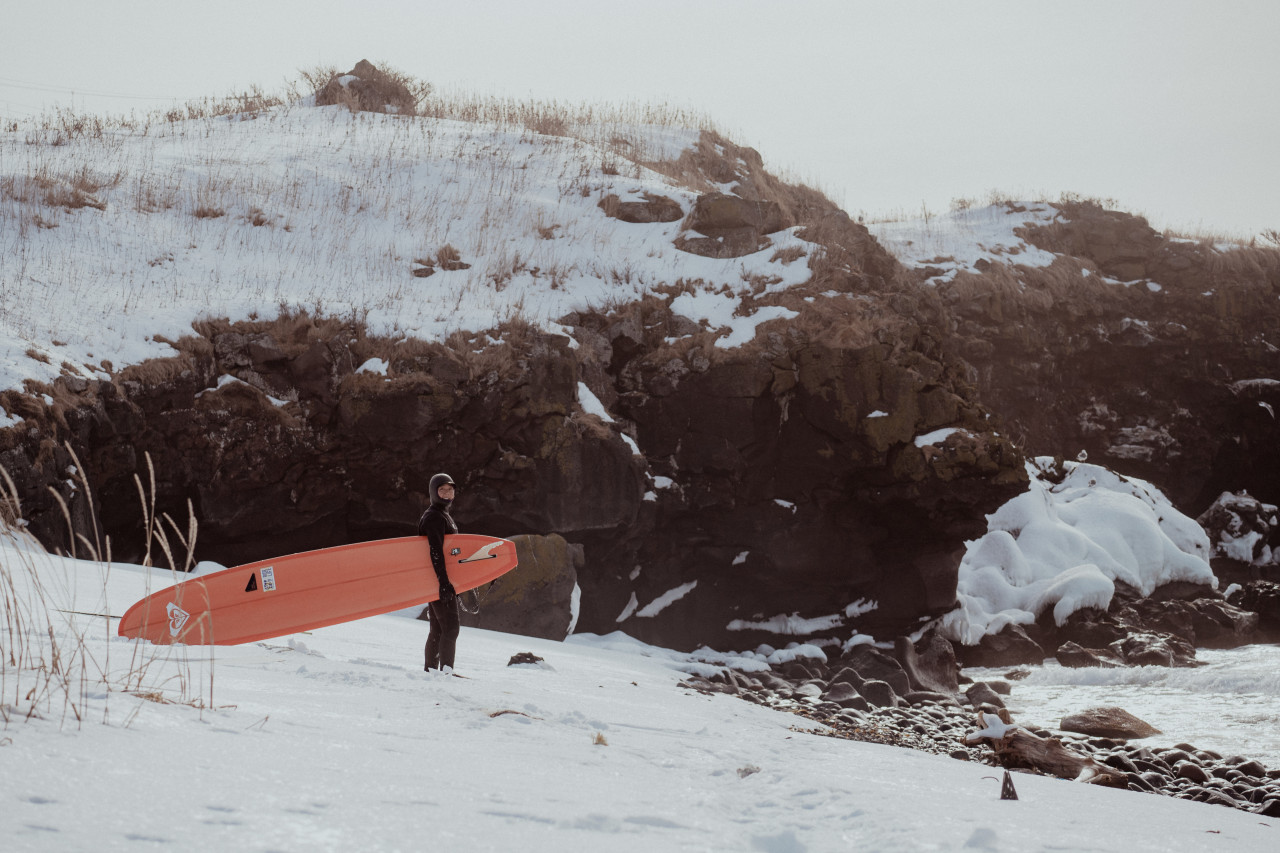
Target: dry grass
[[48, 668]]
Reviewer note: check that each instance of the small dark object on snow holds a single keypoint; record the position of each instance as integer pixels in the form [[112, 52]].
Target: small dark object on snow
[[1007, 791], [524, 657]]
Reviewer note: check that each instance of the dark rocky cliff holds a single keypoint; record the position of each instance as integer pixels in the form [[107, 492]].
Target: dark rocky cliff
[[1170, 377], [760, 475]]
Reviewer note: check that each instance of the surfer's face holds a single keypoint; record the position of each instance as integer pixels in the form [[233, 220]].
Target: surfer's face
[[445, 492]]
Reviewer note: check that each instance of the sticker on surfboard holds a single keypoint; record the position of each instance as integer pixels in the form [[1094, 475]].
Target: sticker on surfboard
[[268, 579], [177, 618]]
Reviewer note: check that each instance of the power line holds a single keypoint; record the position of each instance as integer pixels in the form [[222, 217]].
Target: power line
[[10, 83]]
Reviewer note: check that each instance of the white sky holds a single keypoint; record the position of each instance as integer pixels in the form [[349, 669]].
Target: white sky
[[1169, 107]]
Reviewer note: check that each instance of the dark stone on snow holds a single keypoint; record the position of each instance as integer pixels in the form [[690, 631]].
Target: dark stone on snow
[[524, 658], [1270, 808]]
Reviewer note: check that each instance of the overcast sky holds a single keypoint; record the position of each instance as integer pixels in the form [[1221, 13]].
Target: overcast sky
[[1172, 107]]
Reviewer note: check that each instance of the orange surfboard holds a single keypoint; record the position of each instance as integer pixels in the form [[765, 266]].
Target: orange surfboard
[[299, 592]]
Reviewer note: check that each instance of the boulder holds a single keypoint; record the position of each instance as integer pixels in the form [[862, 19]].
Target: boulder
[[1263, 598], [1144, 648], [845, 695], [1241, 527], [1010, 647], [1076, 656], [981, 694], [879, 693], [1191, 771], [654, 208], [716, 213], [872, 664], [732, 226], [846, 675], [536, 599], [930, 664], [1108, 722], [367, 88]]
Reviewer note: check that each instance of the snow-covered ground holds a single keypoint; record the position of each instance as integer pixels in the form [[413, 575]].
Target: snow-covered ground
[[957, 240], [336, 740]]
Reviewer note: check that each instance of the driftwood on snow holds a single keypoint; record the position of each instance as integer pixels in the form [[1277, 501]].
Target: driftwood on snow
[[1015, 747]]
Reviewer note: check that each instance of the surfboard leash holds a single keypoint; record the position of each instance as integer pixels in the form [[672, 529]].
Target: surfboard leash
[[85, 613], [476, 598]]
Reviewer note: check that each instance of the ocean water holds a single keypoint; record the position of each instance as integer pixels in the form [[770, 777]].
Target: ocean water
[[1230, 705]]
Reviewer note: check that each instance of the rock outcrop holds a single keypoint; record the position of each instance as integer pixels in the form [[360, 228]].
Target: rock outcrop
[[785, 477], [370, 89], [1153, 355], [539, 599]]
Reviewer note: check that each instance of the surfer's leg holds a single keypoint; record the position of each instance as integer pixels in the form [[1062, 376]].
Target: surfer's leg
[[433, 637], [448, 632]]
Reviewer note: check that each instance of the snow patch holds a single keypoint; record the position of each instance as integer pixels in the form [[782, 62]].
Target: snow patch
[[592, 406], [938, 436], [662, 602], [718, 311], [789, 624], [575, 608], [629, 609], [376, 366]]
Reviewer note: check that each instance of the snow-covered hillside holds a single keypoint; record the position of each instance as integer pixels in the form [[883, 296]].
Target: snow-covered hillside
[[336, 740], [111, 243]]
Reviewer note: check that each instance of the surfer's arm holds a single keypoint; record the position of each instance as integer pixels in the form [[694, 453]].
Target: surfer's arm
[[433, 528]]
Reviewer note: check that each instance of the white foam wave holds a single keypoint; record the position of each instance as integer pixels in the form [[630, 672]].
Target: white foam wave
[[1259, 678]]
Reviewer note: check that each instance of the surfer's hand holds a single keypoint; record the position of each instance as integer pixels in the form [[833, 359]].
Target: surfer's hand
[[447, 593]]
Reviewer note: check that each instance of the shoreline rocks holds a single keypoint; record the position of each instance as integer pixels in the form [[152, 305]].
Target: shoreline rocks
[[840, 700]]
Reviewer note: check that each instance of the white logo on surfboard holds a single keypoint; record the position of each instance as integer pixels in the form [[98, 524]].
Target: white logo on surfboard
[[269, 579], [177, 618], [483, 553]]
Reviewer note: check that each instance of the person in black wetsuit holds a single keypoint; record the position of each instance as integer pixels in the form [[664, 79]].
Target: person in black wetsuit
[[435, 524]]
